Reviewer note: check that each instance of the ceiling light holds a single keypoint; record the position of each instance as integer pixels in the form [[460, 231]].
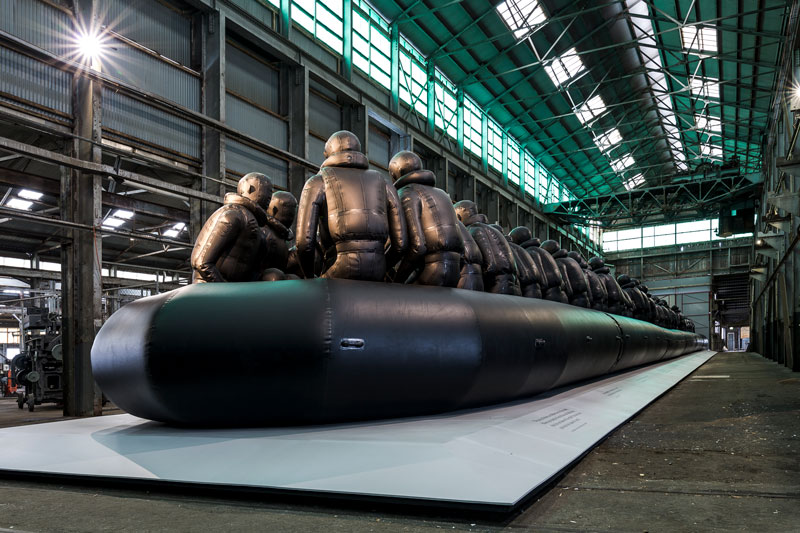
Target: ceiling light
[[708, 124], [171, 233], [704, 87], [90, 46], [564, 68], [633, 182], [123, 213], [19, 203], [521, 15], [29, 194], [711, 151], [608, 140], [112, 222], [179, 226]]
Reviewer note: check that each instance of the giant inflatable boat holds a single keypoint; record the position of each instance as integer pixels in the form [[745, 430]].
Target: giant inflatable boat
[[318, 351]]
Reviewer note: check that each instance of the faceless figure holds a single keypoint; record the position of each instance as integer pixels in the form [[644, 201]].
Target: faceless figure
[[471, 276], [641, 304], [435, 244], [577, 284], [277, 235], [499, 270], [596, 287], [551, 281], [355, 210], [616, 297], [231, 246]]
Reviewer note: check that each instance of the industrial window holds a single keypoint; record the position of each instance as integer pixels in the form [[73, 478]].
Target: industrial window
[[564, 68], [592, 108], [513, 161], [323, 19], [608, 140], [494, 145], [634, 181], [622, 163], [521, 15], [530, 176], [445, 105], [697, 231], [553, 190], [472, 128], [413, 78], [544, 183], [704, 87], [371, 44], [699, 38]]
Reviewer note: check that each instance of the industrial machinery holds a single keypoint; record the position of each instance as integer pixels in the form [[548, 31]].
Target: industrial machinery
[[39, 367]]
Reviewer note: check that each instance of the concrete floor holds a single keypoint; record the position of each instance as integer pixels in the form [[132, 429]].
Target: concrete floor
[[717, 452]]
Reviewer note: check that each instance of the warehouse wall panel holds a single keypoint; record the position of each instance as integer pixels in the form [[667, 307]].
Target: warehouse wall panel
[[153, 25], [252, 79], [39, 24], [136, 119], [324, 116], [36, 82], [241, 158], [256, 122]]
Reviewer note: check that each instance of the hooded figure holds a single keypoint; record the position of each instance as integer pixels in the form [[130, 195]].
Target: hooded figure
[[616, 297], [499, 270], [355, 210], [551, 281], [577, 284], [528, 275], [277, 235], [435, 245], [471, 276], [231, 246], [596, 285], [641, 304], [681, 320]]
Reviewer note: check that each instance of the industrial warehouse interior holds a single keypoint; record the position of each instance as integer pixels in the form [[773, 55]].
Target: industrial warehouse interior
[[399, 265]]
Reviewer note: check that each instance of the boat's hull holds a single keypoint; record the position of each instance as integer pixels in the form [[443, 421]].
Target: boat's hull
[[290, 352]]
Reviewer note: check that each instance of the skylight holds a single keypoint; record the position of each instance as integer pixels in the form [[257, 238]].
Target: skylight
[[521, 15], [175, 231], [564, 68], [608, 140], [19, 203], [711, 151], [708, 124], [699, 38], [592, 108], [123, 213], [29, 194], [622, 163], [112, 222], [634, 181], [704, 87]]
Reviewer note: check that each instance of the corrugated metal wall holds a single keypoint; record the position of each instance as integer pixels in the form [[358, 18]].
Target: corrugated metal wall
[[379, 146], [153, 25], [31, 80], [255, 122], [39, 24], [136, 119], [252, 79], [242, 159]]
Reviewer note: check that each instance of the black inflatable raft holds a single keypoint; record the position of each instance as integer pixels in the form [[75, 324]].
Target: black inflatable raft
[[314, 351]]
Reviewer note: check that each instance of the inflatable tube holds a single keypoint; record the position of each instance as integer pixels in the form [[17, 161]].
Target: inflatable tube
[[312, 351]]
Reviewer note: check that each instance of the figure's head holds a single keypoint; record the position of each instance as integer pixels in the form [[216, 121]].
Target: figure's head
[[257, 187], [596, 263], [498, 227], [520, 234], [623, 279], [342, 141], [404, 162], [283, 207], [578, 258], [467, 211], [536, 242], [676, 308], [551, 246]]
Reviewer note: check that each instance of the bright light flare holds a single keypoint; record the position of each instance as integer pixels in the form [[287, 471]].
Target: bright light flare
[[90, 47]]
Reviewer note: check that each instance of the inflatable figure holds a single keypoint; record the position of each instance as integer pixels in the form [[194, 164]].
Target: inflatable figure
[[615, 295], [499, 270], [277, 235], [528, 274], [680, 319], [596, 287], [471, 276], [552, 283], [355, 210], [641, 304], [435, 245], [231, 247], [578, 285]]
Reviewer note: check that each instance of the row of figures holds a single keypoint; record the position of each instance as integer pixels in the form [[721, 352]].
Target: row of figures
[[354, 223]]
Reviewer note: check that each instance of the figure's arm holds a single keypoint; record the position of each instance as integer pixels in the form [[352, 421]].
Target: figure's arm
[[312, 202], [484, 242], [215, 239], [397, 226]]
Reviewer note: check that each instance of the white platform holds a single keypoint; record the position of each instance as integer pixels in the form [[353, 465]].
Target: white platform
[[491, 457]]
